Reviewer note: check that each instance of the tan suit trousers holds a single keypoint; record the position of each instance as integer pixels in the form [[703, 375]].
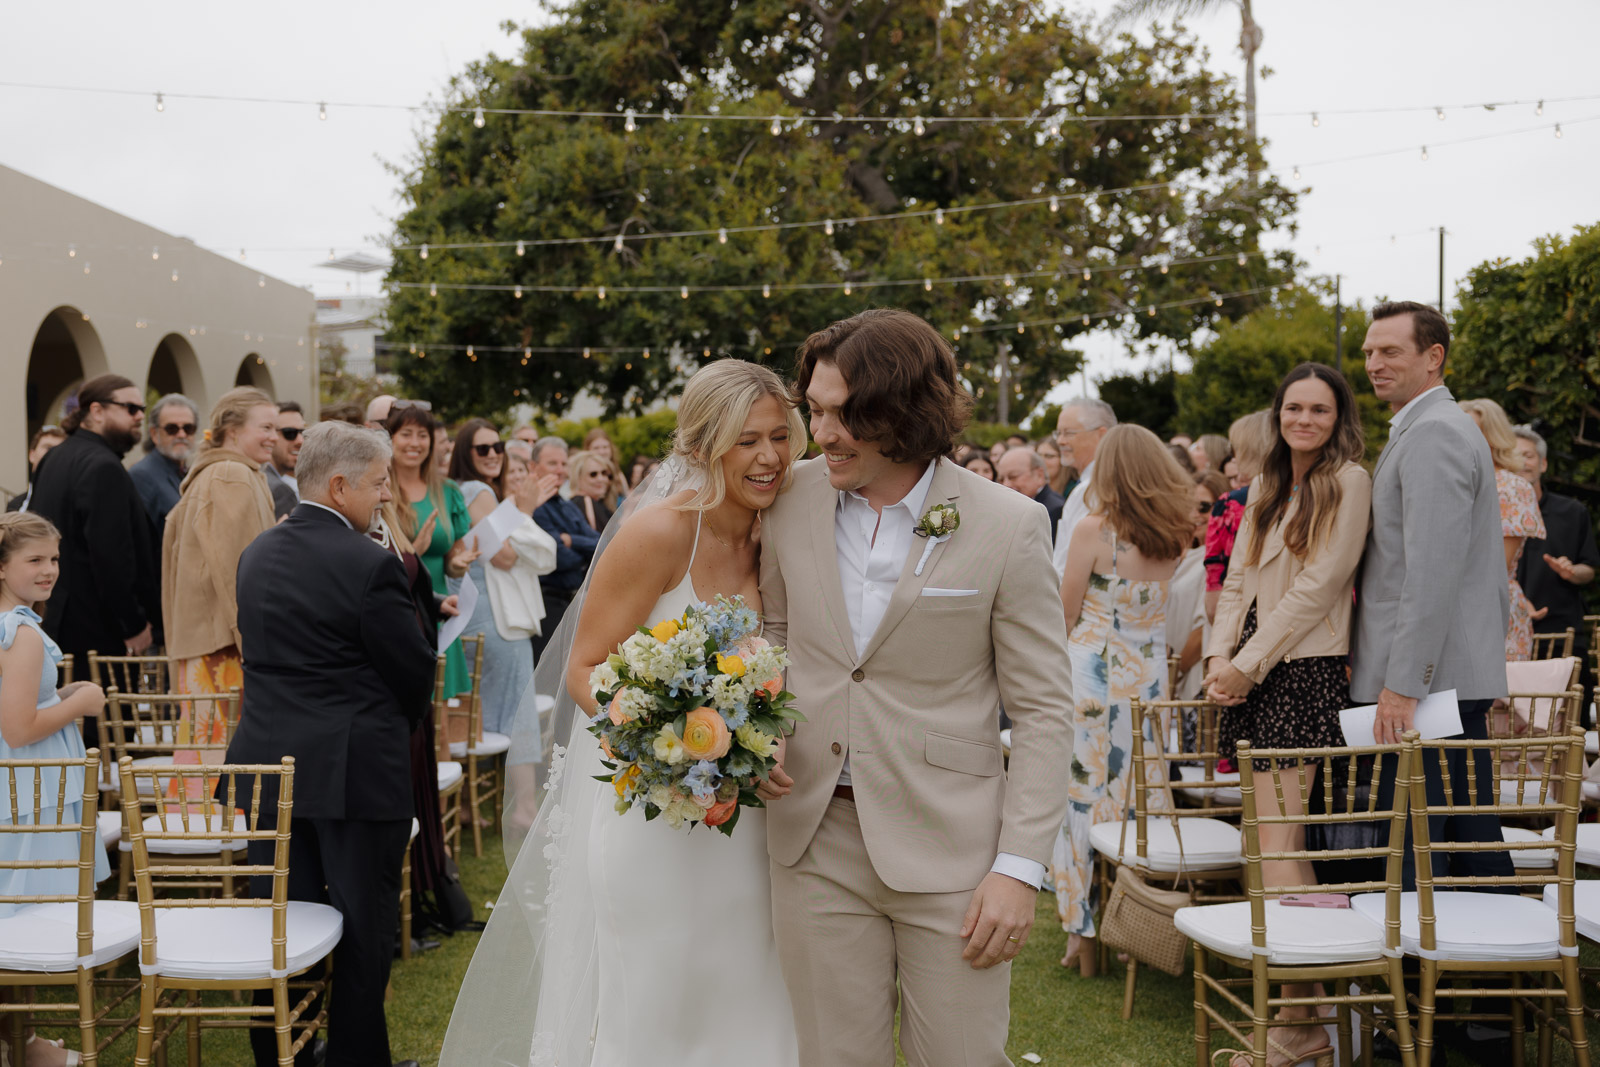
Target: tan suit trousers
[[845, 939]]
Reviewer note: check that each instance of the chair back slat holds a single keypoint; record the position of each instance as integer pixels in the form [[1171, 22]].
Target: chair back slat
[[1554, 646], [35, 809]]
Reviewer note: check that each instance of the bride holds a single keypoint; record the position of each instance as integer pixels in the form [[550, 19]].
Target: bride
[[616, 941]]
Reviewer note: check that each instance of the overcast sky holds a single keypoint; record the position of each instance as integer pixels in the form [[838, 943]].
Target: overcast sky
[[276, 181]]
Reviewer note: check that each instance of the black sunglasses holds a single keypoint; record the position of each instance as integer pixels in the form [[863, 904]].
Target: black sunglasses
[[498, 448], [290, 433], [172, 429], [423, 404], [128, 405]]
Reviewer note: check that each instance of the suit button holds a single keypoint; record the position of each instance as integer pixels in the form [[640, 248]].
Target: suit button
[[858, 675], [837, 748]]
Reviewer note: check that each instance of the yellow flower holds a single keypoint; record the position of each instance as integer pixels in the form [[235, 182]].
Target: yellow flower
[[757, 740], [730, 665], [665, 630], [623, 780]]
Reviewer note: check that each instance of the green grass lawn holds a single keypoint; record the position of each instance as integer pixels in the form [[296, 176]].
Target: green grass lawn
[[1059, 1015]]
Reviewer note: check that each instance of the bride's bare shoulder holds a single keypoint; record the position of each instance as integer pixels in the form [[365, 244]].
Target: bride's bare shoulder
[[660, 525]]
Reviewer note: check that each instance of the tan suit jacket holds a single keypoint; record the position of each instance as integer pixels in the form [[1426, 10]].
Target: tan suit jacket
[[1303, 606], [917, 711]]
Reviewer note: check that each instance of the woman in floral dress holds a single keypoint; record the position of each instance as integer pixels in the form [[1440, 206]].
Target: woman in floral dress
[[1520, 517], [1119, 563]]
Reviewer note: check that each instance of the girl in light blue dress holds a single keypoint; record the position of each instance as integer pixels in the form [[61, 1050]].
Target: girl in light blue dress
[[37, 721]]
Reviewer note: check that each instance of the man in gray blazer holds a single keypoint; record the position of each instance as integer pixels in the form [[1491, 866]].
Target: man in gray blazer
[[1432, 607]]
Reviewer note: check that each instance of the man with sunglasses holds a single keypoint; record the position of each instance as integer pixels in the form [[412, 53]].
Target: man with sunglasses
[[285, 454], [174, 435], [109, 594]]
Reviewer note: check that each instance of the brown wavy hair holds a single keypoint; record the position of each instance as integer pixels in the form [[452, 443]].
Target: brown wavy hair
[[96, 390], [462, 466], [905, 395], [415, 415], [1146, 498], [1320, 492]]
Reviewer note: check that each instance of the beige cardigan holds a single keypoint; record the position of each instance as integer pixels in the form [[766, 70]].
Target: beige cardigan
[[224, 506], [1303, 607]]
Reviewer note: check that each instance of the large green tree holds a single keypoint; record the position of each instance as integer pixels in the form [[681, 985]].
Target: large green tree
[[817, 65], [1526, 336], [1239, 371]]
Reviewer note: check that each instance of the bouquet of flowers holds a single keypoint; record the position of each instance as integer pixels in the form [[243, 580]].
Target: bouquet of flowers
[[694, 710]]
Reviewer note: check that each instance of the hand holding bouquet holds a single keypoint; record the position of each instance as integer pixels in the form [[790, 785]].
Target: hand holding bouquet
[[694, 707]]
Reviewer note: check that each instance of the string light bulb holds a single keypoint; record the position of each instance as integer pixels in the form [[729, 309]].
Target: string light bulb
[[1438, 113], [1297, 172], [521, 248], [627, 121], [477, 117], [1183, 124], [1054, 128], [683, 291], [1424, 153], [1055, 204], [766, 289], [471, 354], [647, 353], [413, 348], [72, 251], [1243, 259], [161, 103], [1087, 276], [1316, 120], [526, 353], [174, 274], [927, 285], [261, 281], [777, 125], [1151, 311], [433, 289], [846, 288], [86, 271], [602, 292], [1009, 281], [586, 353], [1558, 131], [517, 292], [1216, 298], [722, 235], [423, 254], [155, 253], [1163, 268], [616, 246], [1086, 319], [322, 112], [917, 127], [827, 227], [938, 216], [1020, 328], [1539, 110]]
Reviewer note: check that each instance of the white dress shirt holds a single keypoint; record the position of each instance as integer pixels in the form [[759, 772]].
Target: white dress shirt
[[1074, 511], [873, 548], [1399, 416]]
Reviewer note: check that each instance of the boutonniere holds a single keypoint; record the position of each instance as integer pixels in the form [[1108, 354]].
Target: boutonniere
[[937, 525]]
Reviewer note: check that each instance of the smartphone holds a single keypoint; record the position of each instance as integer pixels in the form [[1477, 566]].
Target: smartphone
[[1315, 900]]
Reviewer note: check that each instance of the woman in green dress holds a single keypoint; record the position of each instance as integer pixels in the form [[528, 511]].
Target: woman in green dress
[[436, 519]]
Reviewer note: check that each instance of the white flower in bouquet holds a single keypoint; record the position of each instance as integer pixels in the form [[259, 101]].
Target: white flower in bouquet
[[669, 747], [756, 740], [604, 678]]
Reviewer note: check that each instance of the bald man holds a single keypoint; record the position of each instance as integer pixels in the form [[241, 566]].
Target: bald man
[[1023, 469]]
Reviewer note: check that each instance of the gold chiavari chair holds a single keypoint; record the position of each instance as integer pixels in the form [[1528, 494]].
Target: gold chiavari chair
[[192, 944], [1553, 646], [57, 939], [1278, 943], [1494, 941], [1194, 846], [405, 892], [126, 674], [149, 729], [451, 773], [481, 753]]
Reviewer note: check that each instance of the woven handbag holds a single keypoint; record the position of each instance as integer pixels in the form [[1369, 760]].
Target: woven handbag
[[1138, 917]]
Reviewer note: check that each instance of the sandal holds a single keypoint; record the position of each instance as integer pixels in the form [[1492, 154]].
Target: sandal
[[1317, 1057], [73, 1058]]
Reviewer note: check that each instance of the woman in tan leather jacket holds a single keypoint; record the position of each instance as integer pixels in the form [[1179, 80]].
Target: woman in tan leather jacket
[[1276, 659]]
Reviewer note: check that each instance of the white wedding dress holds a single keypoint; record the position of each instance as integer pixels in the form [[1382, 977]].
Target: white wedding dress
[[619, 942], [688, 967]]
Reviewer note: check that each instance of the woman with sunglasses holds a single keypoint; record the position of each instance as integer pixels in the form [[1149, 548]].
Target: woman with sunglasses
[[593, 481], [479, 465]]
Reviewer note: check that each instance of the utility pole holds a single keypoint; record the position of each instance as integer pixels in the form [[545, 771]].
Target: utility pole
[[1441, 270], [1338, 324]]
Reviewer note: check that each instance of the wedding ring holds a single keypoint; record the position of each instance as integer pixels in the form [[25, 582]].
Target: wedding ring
[[1013, 939]]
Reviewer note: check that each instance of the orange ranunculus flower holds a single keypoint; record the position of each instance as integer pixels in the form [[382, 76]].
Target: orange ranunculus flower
[[618, 714], [721, 811], [605, 747], [705, 735]]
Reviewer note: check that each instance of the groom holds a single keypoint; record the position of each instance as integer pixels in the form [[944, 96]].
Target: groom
[[906, 857]]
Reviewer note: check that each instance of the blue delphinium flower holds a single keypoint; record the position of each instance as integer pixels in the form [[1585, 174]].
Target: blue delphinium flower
[[702, 778]]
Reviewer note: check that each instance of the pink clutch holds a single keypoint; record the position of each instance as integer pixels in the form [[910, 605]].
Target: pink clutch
[[1315, 900]]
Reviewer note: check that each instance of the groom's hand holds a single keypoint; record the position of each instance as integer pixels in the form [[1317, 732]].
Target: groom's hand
[[998, 920], [778, 782]]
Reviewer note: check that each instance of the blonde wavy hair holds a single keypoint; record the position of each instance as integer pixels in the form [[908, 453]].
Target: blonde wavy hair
[[232, 410], [19, 527], [711, 418], [1146, 498], [1496, 427]]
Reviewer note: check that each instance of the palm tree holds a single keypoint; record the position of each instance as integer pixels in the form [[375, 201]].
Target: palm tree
[[1131, 11]]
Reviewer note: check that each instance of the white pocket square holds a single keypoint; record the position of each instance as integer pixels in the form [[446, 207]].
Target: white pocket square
[[933, 590]]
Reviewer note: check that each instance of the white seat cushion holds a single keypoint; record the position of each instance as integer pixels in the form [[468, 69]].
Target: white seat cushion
[[174, 822], [1208, 844], [109, 823], [1535, 859], [1295, 936], [1585, 906], [1588, 842], [114, 783], [492, 745], [44, 937], [449, 774], [1533, 791], [237, 942], [416, 828], [1493, 927], [1227, 796], [1591, 742]]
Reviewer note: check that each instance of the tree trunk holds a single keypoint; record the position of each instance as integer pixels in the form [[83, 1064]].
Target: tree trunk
[[1249, 42]]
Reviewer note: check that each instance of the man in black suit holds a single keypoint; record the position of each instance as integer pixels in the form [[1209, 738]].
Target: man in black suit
[[336, 674], [1023, 469], [110, 589]]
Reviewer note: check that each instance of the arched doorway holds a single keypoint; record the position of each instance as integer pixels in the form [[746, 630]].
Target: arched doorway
[[66, 350], [174, 368], [253, 371]]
